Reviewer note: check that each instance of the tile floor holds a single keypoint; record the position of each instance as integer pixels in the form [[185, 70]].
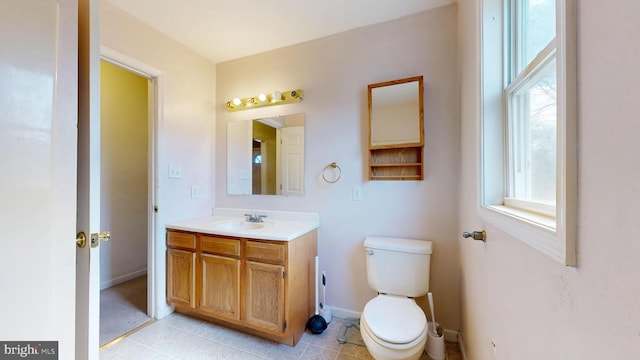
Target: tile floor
[[182, 337]]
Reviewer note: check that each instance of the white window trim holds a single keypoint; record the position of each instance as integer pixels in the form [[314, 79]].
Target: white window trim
[[553, 237]]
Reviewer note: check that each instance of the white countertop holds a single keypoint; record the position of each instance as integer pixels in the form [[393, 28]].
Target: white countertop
[[278, 225]]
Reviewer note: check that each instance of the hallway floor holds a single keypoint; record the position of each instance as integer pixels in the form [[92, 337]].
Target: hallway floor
[[123, 308], [181, 337]]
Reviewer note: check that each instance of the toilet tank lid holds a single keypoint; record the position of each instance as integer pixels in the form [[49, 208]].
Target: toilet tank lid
[[398, 244]]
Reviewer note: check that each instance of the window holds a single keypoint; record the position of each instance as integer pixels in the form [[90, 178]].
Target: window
[[531, 99], [528, 132]]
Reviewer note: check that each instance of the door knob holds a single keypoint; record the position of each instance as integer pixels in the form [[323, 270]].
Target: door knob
[[95, 238], [81, 239], [476, 235]]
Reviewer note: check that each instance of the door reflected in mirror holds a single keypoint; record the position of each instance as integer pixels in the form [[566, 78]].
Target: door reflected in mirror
[[266, 156]]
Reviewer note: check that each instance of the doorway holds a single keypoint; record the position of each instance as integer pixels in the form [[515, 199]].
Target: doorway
[[126, 175]]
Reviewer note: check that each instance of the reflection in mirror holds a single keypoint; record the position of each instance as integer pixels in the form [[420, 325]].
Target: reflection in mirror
[[266, 156], [396, 113]]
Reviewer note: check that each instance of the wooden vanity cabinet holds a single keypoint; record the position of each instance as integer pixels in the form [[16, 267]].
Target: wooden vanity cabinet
[[181, 269], [219, 277], [262, 287], [265, 280]]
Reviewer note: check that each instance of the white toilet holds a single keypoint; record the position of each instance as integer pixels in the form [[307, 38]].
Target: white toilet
[[392, 325]]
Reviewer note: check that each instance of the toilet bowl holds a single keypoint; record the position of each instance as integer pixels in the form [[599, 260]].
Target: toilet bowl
[[392, 325], [393, 328]]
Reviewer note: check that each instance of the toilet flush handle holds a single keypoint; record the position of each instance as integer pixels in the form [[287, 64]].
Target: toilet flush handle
[[369, 251]]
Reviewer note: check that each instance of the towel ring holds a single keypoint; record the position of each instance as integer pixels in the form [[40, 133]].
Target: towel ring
[[333, 165]]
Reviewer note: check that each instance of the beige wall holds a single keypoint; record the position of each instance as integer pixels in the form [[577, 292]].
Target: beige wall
[[124, 204], [334, 73], [532, 306], [185, 124]]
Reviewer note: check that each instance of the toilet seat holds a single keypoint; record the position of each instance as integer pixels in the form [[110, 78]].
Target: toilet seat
[[395, 320]]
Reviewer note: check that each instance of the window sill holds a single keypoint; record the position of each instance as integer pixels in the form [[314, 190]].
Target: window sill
[[535, 230]]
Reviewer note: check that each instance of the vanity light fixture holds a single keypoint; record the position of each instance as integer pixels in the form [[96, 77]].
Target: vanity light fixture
[[275, 98]]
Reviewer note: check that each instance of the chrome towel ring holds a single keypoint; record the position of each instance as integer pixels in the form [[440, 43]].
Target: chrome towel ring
[[336, 173]]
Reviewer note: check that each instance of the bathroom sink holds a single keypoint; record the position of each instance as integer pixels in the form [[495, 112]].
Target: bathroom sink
[[238, 225]]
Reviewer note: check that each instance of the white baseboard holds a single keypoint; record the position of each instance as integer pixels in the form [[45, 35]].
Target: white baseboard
[[344, 313], [123, 278], [450, 335], [461, 346]]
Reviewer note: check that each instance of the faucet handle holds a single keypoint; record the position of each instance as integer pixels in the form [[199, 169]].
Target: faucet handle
[[260, 218], [249, 217]]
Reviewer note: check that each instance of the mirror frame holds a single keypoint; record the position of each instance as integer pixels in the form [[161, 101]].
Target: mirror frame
[[371, 87]]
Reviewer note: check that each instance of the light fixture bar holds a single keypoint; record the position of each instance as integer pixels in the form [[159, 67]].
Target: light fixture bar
[[275, 98]]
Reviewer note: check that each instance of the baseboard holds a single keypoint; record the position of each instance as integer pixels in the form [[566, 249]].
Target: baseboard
[[461, 346], [449, 335], [344, 313], [123, 278]]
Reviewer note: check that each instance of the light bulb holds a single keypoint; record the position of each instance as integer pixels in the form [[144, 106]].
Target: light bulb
[[277, 96], [262, 97], [237, 101]]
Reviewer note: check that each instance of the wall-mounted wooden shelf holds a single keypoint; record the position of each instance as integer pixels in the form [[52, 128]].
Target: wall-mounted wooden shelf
[[396, 129], [396, 163]]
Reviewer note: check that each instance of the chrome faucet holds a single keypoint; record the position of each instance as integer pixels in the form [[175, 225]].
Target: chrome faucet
[[255, 218]]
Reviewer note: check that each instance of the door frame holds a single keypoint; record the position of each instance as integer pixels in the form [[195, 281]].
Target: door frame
[[155, 309]]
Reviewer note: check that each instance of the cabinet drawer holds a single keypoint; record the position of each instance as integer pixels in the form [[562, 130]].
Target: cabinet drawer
[[220, 246], [271, 252], [182, 240]]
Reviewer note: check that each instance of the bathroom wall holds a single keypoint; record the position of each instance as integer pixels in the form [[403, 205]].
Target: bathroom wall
[[334, 73], [187, 116], [124, 204], [185, 126], [532, 306]]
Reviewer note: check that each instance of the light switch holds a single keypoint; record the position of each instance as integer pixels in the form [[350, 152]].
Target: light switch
[[357, 193], [195, 192], [175, 172]]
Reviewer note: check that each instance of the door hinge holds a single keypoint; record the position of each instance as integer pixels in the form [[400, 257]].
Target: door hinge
[[284, 325], [284, 274]]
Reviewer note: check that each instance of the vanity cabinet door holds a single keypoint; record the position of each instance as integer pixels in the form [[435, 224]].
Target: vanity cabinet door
[[181, 281], [264, 288], [220, 286]]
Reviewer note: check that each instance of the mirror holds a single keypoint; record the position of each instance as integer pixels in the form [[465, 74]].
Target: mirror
[[396, 113], [266, 156]]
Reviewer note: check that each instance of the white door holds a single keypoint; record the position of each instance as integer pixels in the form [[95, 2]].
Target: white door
[[291, 170], [88, 199], [38, 139]]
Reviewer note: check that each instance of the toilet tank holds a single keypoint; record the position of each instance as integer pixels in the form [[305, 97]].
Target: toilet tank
[[398, 266]]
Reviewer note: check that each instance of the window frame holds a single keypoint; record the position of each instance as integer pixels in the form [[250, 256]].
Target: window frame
[[556, 235]]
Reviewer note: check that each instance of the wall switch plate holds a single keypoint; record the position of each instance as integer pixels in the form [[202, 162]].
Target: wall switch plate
[[195, 192], [356, 193], [175, 172]]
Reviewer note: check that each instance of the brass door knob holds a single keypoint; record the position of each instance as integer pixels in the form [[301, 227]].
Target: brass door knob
[[81, 239], [95, 238]]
